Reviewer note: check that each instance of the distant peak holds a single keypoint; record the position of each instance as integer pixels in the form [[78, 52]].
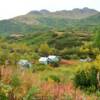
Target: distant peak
[[75, 9], [88, 9], [37, 12], [84, 9], [34, 12], [44, 11]]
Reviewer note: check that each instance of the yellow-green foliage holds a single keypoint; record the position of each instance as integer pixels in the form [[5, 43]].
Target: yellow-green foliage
[[4, 91], [13, 52], [88, 50], [86, 75], [45, 50]]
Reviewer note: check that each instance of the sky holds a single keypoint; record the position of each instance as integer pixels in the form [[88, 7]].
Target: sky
[[12, 8]]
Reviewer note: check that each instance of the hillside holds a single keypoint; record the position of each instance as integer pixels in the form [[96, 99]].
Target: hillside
[[93, 20], [37, 21]]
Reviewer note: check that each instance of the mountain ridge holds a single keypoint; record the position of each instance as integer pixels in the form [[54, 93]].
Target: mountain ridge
[[42, 20]]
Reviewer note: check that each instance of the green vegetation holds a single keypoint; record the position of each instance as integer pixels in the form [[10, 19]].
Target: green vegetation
[[87, 78], [15, 81], [97, 38], [30, 94], [37, 22], [38, 34]]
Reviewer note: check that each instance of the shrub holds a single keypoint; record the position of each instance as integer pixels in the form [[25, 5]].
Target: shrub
[[55, 78], [44, 49], [54, 64], [40, 67], [3, 97], [15, 80], [70, 53], [31, 94], [4, 91], [87, 78]]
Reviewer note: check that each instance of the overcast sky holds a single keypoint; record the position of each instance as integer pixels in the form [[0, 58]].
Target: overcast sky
[[11, 8]]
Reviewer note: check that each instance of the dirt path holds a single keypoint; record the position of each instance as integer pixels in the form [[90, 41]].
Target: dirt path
[[68, 62]]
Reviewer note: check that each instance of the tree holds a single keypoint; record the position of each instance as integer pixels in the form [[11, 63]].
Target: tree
[[44, 49]]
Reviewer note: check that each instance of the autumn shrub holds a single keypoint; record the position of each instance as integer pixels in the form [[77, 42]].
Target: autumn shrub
[[86, 78]]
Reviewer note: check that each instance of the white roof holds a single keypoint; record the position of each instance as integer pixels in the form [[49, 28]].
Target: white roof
[[23, 60], [52, 57], [49, 58], [43, 59]]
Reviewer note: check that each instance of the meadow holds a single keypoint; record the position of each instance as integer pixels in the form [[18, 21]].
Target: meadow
[[43, 84], [71, 79]]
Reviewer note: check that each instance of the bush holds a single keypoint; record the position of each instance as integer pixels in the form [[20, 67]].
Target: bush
[[4, 91], [40, 67], [15, 81], [86, 78], [44, 49], [3, 97], [54, 78], [72, 53], [54, 64], [31, 94]]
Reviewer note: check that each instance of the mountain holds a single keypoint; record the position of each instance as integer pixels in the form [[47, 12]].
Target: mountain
[[68, 14], [44, 20], [45, 16]]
